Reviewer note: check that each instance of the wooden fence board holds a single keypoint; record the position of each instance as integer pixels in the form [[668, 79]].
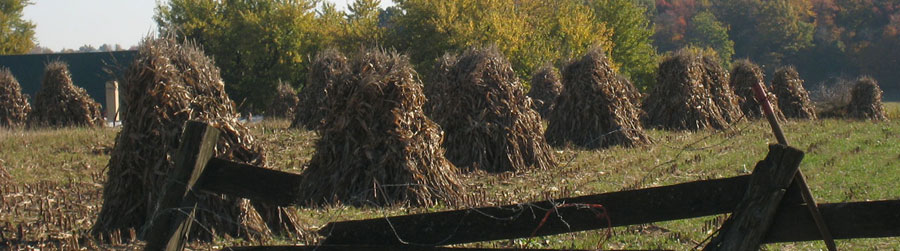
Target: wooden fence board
[[272, 187], [752, 218], [374, 248], [686, 200], [172, 219], [868, 219]]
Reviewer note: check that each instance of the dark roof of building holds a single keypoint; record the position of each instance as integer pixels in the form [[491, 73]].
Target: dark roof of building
[[87, 69]]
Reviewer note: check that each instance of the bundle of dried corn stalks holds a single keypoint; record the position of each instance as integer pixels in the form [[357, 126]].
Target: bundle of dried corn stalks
[[865, 101], [284, 104], [545, 87], [597, 107], [14, 106], [168, 84], [691, 93], [377, 145], [793, 98], [487, 117], [744, 75], [60, 103], [326, 69]]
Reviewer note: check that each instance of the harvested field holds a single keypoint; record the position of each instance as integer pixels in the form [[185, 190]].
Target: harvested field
[[545, 87], [865, 100], [378, 148], [793, 99], [596, 107], [691, 93], [846, 160], [325, 70], [744, 75], [168, 84], [14, 106], [59, 103], [487, 118]]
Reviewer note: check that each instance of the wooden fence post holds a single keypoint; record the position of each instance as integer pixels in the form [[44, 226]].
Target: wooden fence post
[[751, 220], [173, 216]]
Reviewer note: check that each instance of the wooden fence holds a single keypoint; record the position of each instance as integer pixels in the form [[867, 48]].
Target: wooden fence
[[767, 206]]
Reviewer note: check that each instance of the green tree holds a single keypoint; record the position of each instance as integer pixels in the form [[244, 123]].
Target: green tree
[[429, 28], [16, 34], [255, 43], [706, 31], [529, 33], [631, 38], [361, 28], [768, 32]]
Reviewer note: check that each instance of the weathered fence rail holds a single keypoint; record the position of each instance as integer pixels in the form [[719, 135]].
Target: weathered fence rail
[[790, 219]]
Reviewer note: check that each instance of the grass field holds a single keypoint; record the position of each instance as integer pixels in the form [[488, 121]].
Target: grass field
[[52, 180]]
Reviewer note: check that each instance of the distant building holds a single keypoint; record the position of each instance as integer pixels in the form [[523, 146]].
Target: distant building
[[87, 70]]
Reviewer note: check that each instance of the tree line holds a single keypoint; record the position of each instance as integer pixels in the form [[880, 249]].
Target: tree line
[[259, 43]]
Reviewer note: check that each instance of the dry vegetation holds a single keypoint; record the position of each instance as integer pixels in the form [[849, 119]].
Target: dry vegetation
[[14, 106], [170, 83], [487, 119], [546, 85], [325, 70], [60, 103], [376, 135], [691, 93], [794, 100], [744, 75], [597, 107]]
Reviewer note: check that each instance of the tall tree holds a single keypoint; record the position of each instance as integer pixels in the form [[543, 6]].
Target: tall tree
[[768, 32], [706, 31], [361, 27], [255, 43], [631, 38], [16, 34]]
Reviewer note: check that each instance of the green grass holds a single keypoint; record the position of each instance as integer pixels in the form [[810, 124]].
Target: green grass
[[845, 161]]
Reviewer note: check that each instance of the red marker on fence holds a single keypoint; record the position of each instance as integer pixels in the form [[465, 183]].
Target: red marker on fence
[[763, 101]]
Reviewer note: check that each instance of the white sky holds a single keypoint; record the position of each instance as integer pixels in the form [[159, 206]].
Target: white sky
[[73, 23]]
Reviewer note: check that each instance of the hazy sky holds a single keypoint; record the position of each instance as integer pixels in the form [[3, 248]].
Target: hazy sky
[[73, 23]]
